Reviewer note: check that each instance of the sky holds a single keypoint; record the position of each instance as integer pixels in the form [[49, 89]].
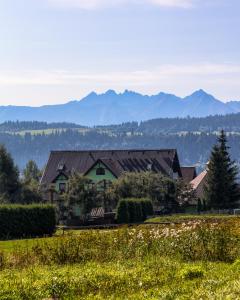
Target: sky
[[54, 51]]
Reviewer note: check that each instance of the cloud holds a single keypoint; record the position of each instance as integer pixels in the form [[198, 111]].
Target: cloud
[[173, 3], [95, 4], [153, 75], [58, 86], [221, 80]]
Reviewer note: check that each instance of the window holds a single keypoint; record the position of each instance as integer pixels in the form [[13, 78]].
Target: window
[[62, 187], [100, 171]]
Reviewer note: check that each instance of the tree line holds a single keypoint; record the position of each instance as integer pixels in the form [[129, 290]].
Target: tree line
[[229, 122], [193, 149], [15, 188]]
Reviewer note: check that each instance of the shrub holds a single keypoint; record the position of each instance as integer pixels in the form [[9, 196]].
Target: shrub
[[133, 210], [131, 203], [18, 221], [138, 211], [147, 208], [122, 212], [192, 273]]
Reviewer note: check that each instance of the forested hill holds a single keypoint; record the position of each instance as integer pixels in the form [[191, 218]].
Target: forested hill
[[192, 137], [230, 123], [192, 148], [17, 126]]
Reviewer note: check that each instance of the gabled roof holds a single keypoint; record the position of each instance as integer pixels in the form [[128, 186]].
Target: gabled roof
[[109, 164], [199, 179], [119, 161], [60, 174], [188, 173]]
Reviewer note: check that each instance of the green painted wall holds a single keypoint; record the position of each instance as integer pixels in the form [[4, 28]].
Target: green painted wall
[[91, 175], [94, 177], [59, 180], [108, 176]]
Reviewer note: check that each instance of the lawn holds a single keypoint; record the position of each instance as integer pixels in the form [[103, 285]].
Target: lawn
[[153, 278], [195, 259]]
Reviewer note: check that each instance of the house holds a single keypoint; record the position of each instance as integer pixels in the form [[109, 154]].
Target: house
[[106, 165], [102, 167], [199, 183], [188, 173]]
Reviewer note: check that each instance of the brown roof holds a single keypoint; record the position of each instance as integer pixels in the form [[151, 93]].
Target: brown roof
[[198, 180], [119, 161], [188, 173]]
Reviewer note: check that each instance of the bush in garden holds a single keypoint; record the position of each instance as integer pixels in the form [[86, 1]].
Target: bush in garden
[[131, 205], [122, 212], [138, 211], [18, 221], [133, 210], [147, 208]]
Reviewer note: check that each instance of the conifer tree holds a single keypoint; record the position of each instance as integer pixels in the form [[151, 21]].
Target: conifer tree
[[31, 172], [9, 178], [222, 191]]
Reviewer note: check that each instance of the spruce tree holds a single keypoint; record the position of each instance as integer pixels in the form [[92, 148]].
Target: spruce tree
[[31, 172], [9, 178], [222, 191]]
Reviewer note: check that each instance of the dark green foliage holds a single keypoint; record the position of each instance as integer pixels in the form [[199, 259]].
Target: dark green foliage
[[147, 208], [133, 210], [30, 184], [222, 191], [131, 206], [9, 181], [31, 172], [122, 212], [83, 192], [204, 205], [160, 189], [20, 221], [30, 194], [199, 206], [138, 211]]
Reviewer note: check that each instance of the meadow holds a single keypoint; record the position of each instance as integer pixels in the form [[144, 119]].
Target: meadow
[[192, 259]]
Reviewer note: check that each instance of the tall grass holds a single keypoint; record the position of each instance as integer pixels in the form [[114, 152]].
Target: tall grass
[[192, 260], [191, 241]]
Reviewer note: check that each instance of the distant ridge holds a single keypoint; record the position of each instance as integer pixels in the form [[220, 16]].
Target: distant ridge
[[115, 108]]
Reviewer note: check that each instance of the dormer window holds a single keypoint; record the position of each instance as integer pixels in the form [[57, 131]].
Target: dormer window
[[61, 167], [100, 171]]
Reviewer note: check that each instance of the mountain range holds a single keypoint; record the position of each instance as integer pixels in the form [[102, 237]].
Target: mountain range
[[115, 108]]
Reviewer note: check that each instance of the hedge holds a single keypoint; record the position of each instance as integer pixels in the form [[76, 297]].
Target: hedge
[[133, 210], [21, 221]]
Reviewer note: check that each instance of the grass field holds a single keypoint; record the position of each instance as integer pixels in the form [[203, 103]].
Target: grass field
[[55, 130], [48, 131], [194, 259]]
